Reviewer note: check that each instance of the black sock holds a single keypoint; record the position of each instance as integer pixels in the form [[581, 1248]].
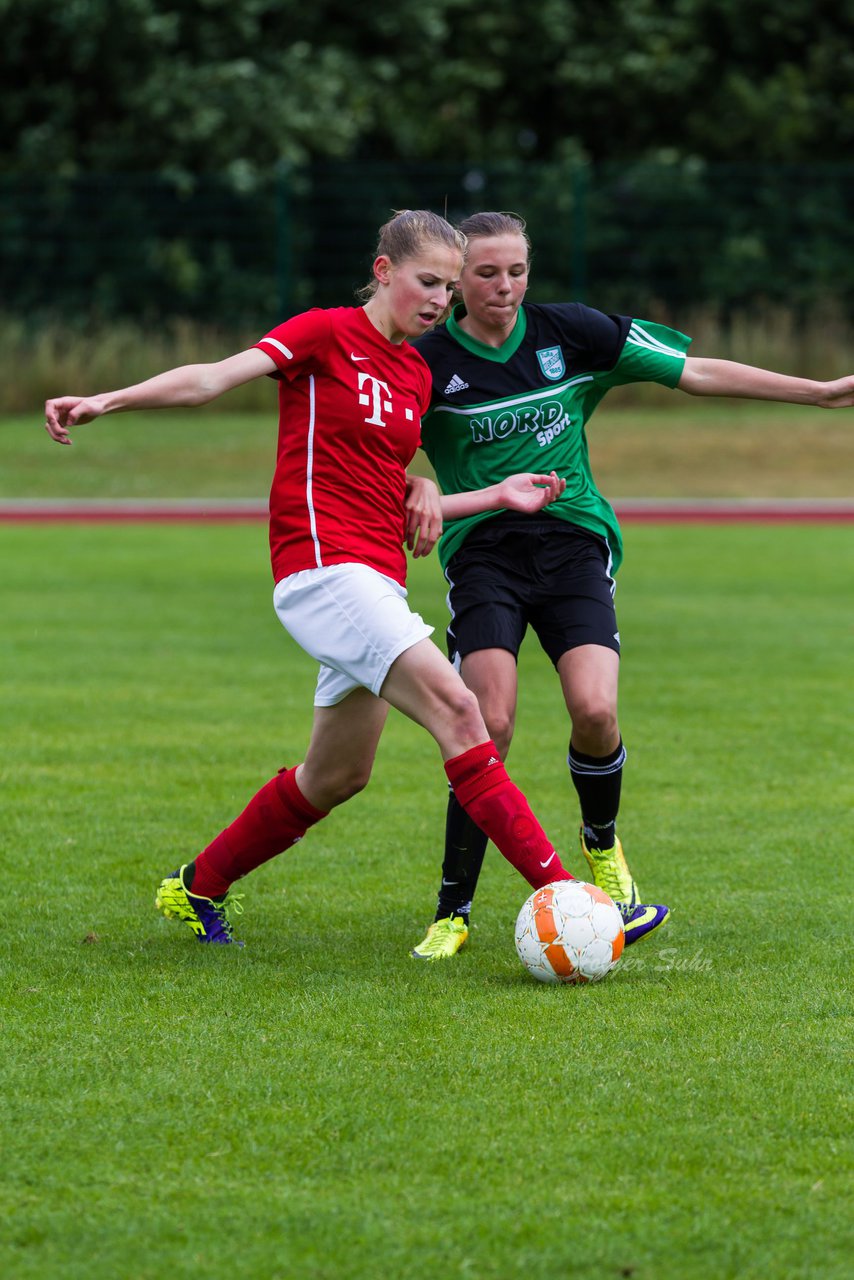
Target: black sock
[[465, 845], [598, 780]]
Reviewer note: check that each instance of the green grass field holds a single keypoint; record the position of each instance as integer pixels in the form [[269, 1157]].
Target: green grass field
[[644, 442], [318, 1105]]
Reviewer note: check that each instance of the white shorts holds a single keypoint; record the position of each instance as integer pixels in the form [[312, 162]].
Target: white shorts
[[354, 620]]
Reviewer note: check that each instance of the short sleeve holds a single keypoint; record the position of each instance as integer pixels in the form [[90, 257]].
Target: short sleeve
[[651, 353], [297, 343]]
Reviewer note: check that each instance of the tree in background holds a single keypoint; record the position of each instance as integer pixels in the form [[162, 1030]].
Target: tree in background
[[213, 86]]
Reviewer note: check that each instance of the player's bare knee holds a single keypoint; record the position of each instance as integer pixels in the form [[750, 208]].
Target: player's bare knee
[[465, 713], [352, 780], [499, 726], [339, 784], [595, 724]]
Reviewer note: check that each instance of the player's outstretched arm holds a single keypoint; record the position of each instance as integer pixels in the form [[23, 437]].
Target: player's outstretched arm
[[524, 492], [189, 385], [702, 377], [426, 508]]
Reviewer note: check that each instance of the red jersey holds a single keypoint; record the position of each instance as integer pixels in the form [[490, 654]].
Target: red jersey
[[350, 407]]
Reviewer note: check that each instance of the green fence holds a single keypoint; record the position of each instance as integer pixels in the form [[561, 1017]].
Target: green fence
[[651, 239]]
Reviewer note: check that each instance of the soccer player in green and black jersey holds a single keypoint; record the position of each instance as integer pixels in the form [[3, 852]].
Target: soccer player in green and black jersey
[[514, 385]]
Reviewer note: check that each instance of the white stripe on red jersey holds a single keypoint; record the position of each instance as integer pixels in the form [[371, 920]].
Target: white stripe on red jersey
[[350, 407]]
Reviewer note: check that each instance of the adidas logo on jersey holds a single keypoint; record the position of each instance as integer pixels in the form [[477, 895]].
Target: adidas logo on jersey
[[456, 384]]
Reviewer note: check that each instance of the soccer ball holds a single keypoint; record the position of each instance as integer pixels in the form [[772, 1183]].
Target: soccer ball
[[569, 931]]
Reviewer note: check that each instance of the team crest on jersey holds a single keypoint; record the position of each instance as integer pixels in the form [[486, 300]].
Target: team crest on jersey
[[552, 362]]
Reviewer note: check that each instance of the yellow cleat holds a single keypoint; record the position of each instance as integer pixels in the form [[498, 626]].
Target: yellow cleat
[[442, 940], [207, 917], [611, 873]]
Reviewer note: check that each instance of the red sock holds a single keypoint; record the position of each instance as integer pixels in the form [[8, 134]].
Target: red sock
[[274, 819], [498, 807]]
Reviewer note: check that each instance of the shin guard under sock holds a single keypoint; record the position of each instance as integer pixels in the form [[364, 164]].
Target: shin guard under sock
[[498, 807], [274, 819]]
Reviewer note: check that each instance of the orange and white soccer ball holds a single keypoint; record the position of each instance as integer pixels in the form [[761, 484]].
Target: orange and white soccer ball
[[569, 931]]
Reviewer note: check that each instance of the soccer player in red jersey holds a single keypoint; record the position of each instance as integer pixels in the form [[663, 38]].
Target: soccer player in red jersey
[[351, 395]]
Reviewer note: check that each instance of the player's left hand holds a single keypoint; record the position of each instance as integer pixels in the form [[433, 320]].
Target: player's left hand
[[423, 510], [530, 493]]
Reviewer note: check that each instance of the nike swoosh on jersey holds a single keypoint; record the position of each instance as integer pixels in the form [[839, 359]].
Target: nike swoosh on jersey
[[355, 357]]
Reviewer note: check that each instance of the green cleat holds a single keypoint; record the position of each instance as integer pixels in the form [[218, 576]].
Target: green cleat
[[442, 940], [207, 917], [611, 872]]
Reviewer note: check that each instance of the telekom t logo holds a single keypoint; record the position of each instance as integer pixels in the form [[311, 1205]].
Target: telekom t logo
[[377, 395]]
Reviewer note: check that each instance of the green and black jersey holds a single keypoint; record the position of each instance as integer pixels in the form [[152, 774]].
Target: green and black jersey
[[524, 406]]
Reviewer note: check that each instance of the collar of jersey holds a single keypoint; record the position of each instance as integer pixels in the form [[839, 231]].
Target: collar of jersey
[[499, 354]]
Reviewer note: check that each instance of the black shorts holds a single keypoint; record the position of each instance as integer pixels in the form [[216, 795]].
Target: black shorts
[[513, 570]]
